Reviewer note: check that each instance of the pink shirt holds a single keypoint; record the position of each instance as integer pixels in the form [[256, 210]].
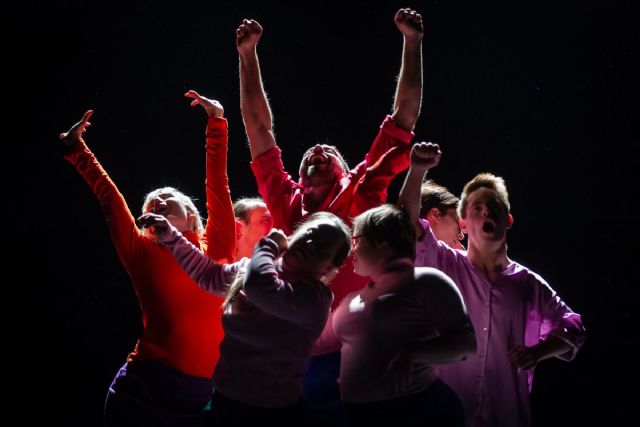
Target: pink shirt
[[519, 308]]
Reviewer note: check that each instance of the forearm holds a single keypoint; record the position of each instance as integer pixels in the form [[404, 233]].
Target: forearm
[[202, 269], [408, 97], [220, 230], [409, 197], [256, 113], [552, 346], [124, 232]]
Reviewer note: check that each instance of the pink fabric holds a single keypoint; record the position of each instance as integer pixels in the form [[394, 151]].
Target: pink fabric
[[519, 308]]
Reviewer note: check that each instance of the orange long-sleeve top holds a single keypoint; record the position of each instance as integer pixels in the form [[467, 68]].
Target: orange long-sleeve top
[[182, 323]]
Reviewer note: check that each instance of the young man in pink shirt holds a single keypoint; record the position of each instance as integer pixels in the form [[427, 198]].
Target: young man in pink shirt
[[519, 319]]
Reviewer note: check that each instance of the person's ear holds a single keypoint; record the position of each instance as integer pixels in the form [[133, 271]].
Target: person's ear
[[509, 221], [191, 221], [240, 229], [330, 274], [435, 214], [463, 225]]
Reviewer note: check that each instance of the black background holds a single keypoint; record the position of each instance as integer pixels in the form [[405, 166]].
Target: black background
[[539, 93]]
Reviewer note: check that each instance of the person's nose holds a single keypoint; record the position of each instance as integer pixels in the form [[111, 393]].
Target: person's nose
[[317, 149]]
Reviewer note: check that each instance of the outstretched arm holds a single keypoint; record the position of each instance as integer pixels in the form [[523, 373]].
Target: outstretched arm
[[125, 235], [220, 233], [409, 90], [424, 156], [256, 113]]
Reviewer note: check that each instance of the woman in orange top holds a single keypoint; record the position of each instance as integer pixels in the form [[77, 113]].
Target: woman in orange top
[[167, 377]]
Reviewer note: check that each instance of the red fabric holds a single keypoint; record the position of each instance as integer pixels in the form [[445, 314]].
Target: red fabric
[[363, 188], [182, 323]]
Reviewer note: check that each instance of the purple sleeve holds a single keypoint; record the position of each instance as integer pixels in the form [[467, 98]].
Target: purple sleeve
[[556, 318], [212, 277], [303, 303], [430, 252]]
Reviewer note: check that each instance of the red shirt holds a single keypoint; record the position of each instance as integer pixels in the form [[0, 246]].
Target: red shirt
[[182, 323], [362, 188]]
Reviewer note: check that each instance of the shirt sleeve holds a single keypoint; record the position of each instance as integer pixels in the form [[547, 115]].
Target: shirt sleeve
[[430, 252], [275, 185], [556, 318], [389, 137], [220, 235], [443, 303], [303, 303], [126, 236], [211, 276]]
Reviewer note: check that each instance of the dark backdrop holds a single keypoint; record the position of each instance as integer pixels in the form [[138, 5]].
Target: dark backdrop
[[539, 93]]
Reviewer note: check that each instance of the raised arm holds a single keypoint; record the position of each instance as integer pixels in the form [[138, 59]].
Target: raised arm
[[256, 113], [125, 235], [301, 303], [220, 233], [409, 90], [424, 156]]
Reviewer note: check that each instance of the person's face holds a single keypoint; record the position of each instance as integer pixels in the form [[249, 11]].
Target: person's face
[[486, 218], [312, 249], [171, 207], [320, 164], [367, 259], [446, 227], [259, 224]]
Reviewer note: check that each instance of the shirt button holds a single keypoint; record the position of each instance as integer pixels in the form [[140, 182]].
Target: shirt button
[[482, 354], [484, 329]]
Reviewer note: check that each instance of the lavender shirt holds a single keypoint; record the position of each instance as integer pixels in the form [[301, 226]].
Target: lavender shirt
[[519, 308], [269, 329]]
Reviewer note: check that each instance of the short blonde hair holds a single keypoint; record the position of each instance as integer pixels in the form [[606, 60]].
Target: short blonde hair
[[186, 201], [485, 180]]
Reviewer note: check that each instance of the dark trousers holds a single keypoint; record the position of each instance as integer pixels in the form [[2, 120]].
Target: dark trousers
[[150, 393], [321, 392], [224, 411], [438, 406]]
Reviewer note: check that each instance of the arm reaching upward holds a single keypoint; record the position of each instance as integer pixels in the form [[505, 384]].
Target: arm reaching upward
[[409, 90], [256, 114], [220, 233], [424, 156]]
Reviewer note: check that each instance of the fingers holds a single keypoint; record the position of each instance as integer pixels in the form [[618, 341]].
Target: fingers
[[426, 149], [192, 94], [409, 22], [86, 117], [149, 219]]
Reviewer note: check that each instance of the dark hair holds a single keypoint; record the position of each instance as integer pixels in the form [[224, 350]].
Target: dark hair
[[433, 195], [338, 258], [345, 247], [242, 208], [388, 225]]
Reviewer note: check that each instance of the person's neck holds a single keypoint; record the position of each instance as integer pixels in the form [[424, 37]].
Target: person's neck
[[315, 195], [490, 257], [243, 249]]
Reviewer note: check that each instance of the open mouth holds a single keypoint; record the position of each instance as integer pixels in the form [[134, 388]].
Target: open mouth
[[488, 227], [317, 159]]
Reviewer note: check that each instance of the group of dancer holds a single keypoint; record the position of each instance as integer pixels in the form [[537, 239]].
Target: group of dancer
[[319, 304]]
